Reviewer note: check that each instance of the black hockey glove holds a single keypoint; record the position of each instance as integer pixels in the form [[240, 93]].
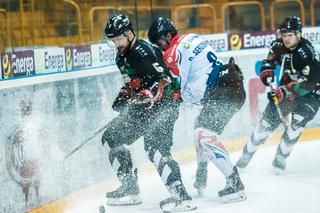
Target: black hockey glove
[[121, 100], [267, 73]]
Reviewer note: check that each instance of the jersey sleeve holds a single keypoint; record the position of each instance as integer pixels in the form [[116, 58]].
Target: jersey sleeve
[[176, 63], [310, 74], [150, 64], [157, 77], [171, 61], [151, 61], [274, 49]]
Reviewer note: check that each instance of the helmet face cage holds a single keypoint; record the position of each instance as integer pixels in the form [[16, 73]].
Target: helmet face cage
[[117, 25], [159, 28], [291, 24]]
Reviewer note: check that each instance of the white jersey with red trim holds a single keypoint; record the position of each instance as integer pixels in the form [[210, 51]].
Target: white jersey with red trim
[[192, 59]]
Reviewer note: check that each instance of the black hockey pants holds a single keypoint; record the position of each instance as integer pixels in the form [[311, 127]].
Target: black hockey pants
[[220, 105], [302, 109], [156, 126]]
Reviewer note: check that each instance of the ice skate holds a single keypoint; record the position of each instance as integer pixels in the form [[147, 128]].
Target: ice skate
[[201, 178], [180, 200], [279, 163], [234, 189], [244, 159], [127, 194]]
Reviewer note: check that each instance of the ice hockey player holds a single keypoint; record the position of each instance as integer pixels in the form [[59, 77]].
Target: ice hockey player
[[148, 106], [219, 88], [298, 93]]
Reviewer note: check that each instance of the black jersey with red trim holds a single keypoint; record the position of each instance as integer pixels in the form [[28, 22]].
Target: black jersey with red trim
[[300, 65], [144, 62], [143, 69]]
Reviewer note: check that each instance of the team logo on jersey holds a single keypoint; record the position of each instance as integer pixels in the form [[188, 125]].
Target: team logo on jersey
[[302, 52], [306, 70], [141, 51], [186, 45], [169, 59]]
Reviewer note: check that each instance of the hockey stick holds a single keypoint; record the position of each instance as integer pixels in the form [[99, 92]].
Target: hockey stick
[[275, 98], [276, 103], [86, 141]]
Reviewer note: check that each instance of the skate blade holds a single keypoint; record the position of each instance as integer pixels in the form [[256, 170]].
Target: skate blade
[[180, 208], [277, 171], [235, 197], [124, 201], [169, 205]]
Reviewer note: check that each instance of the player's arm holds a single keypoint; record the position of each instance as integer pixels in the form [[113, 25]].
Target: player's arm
[[310, 74], [269, 64], [155, 81], [308, 80], [130, 86]]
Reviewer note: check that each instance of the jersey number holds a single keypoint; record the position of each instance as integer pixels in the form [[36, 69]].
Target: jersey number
[[158, 67]]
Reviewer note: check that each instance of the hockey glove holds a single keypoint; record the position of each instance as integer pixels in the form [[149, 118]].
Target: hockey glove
[[144, 98], [281, 93], [152, 95], [267, 77], [121, 100], [267, 73]]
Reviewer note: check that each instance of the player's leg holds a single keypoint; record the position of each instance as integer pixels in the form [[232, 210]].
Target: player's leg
[[123, 130], [269, 122], [158, 141], [200, 182], [219, 107], [306, 109]]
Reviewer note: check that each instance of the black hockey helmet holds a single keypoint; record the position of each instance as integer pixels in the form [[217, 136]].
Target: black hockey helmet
[[291, 24], [117, 25], [160, 27]]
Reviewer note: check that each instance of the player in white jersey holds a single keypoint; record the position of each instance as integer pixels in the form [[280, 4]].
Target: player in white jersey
[[218, 88]]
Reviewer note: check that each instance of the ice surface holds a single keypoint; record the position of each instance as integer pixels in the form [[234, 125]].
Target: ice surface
[[296, 191]]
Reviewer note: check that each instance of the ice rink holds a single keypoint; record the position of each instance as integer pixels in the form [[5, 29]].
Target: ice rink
[[295, 191]]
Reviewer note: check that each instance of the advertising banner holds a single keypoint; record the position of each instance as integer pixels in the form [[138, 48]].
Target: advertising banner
[[18, 64], [78, 57], [312, 34], [219, 42], [103, 54], [50, 60], [239, 41]]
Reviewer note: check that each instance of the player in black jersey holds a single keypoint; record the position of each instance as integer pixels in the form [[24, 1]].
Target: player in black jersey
[[297, 98], [148, 106]]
